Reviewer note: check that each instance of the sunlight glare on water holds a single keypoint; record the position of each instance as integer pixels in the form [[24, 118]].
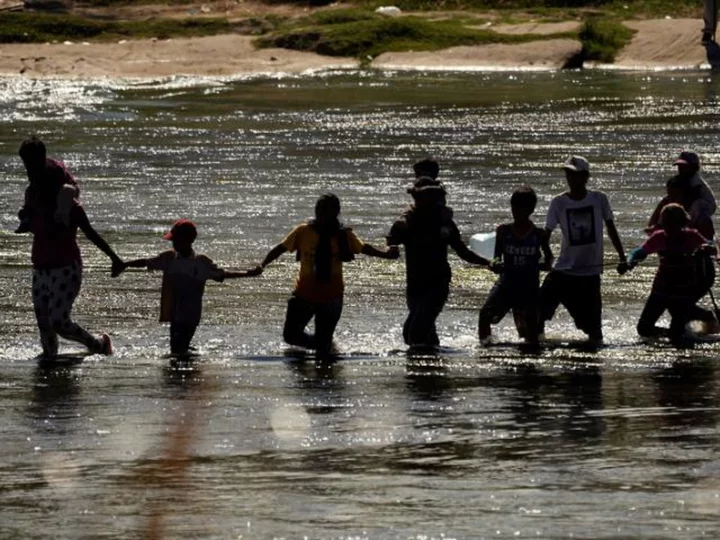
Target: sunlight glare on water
[[251, 440]]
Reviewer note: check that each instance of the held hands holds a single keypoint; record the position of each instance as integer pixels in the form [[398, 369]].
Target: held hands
[[255, 271], [118, 267], [393, 252], [496, 266], [623, 267]]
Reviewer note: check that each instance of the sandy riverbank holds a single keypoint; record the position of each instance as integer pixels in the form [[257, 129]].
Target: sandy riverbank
[[658, 44]]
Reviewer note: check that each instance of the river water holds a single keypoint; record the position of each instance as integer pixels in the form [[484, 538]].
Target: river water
[[248, 442]]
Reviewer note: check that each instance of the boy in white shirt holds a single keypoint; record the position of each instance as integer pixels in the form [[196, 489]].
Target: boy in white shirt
[[184, 276], [574, 281]]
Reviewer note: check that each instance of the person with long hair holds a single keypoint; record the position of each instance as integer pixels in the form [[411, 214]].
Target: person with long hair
[[322, 244], [57, 267]]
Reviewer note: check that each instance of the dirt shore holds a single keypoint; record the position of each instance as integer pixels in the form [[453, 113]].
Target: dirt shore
[[659, 43]]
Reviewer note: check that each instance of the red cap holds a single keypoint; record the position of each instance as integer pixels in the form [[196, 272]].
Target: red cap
[[182, 228]]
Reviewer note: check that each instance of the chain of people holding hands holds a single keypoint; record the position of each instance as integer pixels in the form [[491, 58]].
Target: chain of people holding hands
[[680, 231]]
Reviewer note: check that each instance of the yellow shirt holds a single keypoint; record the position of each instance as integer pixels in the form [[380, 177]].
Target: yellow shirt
[[305, 240]]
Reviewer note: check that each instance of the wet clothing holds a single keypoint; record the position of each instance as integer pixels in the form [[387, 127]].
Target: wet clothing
[[677, 285], [180, 337], [424, 307], [676, 275], [299, 313], [54, 291], [183, 285], [518, 287], [55, 245], [321, 257], [581, 297], [575, 280], [682, 311], [581, 223], [426, 235]]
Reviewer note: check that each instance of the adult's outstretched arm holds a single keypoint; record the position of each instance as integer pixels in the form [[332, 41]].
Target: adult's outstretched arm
[[275, 252], [466, 254]]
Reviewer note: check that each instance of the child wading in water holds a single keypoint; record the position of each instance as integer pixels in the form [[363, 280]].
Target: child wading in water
[[675, 285], [518, 246], [322, 246], [184, 275]]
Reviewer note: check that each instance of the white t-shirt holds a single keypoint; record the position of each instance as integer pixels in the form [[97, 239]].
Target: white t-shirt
[[581, 223], [183, 285]]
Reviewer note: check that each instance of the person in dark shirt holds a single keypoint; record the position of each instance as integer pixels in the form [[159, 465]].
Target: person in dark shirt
[[426, 230], [518, 248], [47, 171]]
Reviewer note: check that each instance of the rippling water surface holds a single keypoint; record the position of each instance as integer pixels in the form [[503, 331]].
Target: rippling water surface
[[247, 442]]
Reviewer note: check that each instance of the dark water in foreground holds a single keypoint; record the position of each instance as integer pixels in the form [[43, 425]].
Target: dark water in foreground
[[620, 442]]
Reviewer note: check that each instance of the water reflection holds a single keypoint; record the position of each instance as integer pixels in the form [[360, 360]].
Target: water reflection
[[54, 405]]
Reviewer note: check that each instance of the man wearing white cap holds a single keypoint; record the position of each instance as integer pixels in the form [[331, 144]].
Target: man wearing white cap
[[574, 282]]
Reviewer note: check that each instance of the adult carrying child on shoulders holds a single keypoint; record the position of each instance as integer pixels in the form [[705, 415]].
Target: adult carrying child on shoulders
[[427, 230]]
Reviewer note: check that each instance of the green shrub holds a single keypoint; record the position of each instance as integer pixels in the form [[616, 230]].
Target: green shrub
[[42, 27], [374, 35], [604, 38]]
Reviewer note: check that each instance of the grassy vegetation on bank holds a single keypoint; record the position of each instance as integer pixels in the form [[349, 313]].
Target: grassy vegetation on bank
[[40, 28], [674, 8], [603, 38], [361, 33]]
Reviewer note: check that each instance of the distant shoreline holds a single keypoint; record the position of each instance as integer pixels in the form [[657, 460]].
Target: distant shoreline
[[659, 44]]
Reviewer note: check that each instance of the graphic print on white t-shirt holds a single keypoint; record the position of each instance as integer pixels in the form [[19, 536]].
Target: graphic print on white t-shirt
[[581, 225]]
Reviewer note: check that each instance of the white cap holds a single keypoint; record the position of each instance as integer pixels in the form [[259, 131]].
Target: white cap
[[577, 163]]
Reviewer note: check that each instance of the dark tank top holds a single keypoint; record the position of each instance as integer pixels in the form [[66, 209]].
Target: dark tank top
[[521, 258]]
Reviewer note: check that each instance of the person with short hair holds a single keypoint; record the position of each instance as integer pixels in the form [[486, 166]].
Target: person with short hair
[[427, 230], [322, 244], [574, 281], [39, 169], [185, 273], [675, 284], [428, 167], [519, 246]]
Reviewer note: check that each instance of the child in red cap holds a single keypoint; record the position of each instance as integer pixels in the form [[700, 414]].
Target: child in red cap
[[184, 275]]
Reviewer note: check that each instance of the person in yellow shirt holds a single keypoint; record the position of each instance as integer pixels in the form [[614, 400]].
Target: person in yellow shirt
[[322, 245]]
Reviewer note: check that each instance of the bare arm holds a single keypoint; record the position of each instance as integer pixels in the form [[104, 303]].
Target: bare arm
[[622, 266], [393, 252], [499, 244], [655, 217], [233, 274], [275, 252], [95, 238], [546, 251], [466, 254], [615, 239]]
